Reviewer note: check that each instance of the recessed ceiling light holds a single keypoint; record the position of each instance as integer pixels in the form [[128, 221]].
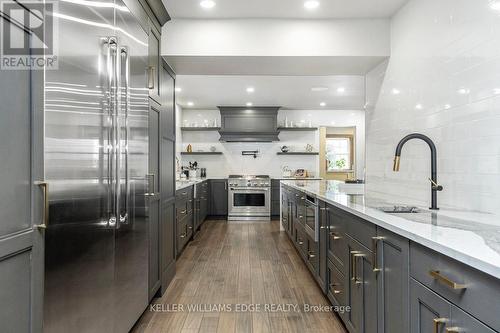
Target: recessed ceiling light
[[207, 4], [395, 91], [322, 104], [463, 91], [340, 89], [317, 89], [190, 103], [311, 4], [250, 90], [496, 91], [418, 106], [249, 104], [447, 106], [178, 89], [495, 5]]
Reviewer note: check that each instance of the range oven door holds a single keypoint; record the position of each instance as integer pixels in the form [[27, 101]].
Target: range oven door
[[249, 202]]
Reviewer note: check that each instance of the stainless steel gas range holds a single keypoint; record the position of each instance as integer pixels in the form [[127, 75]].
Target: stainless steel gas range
[[249, 198]]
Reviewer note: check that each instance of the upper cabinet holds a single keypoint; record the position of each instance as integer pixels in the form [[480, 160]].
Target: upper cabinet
[[155, 67]]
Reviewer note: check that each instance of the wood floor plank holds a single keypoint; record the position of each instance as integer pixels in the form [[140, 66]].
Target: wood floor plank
[[240, 263]]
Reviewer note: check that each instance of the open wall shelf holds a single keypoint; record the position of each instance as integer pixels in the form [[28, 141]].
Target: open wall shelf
[[199, 129], [282, 129], [298, 153], [202, 153]]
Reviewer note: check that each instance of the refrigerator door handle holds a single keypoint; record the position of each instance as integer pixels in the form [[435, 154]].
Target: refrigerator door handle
[[124, 56], [111, 65]]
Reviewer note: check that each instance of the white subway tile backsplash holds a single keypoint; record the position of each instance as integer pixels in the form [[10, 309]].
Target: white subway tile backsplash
[[445, 58]]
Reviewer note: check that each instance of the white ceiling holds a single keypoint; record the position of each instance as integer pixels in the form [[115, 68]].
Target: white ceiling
[[284, 9], [289, 92]]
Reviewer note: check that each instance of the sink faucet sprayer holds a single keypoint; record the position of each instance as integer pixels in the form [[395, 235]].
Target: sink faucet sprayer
[[434, 184]]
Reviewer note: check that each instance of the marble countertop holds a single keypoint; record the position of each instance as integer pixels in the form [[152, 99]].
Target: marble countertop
[[472, 238]]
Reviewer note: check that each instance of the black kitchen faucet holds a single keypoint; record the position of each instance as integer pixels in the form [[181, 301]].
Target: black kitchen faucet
[[434, 184]]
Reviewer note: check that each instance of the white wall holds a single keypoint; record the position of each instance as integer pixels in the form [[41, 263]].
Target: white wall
[[438, 48], [261, 37], [232, 162]]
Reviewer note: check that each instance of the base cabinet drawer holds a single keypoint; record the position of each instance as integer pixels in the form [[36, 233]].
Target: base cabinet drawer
[[336, 291], [469, 289], [432, 313], [182, 235]]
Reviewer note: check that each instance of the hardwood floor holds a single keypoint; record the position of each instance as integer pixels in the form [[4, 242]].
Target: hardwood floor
[[239, 263]]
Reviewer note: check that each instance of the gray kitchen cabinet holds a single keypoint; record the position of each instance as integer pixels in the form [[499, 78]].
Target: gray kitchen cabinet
[[275, 197], [473, 291], [323, 246], [361, 289], [167, 178], [429, 311], [461, 321], [185, 215], [336, 244], [21, 198], [155, 64], [391, 264], [218, 197], [153, 198]]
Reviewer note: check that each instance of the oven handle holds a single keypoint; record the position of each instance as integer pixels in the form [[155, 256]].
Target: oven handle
[[248, 189]]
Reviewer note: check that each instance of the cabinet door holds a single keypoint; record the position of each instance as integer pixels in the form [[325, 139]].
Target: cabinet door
[[218, 197], [461, 321], [21, 201], [154, 199], [323, 245], [429, 311], [336, 244], [391, 262], [154, 64], [362, 289]]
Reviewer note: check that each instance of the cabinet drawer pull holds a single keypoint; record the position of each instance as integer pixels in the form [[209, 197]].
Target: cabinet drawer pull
[[301, 216], [190, 227], [183, 235], [325, 208], [438, 322], [354, 255], [454, 329], [375, 241], [335, 235], [311, 254], [183, 211], [446, 281], [300, 241]]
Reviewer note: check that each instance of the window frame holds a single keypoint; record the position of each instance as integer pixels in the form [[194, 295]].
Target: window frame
[[351, 138]]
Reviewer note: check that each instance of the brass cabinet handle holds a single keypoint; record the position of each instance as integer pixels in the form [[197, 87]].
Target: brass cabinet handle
[[311, 254], [301, 216], [190, 227], [297, 195], [183, 235], [375, 241], [183, 211], [446, 281], [438, 322], [354, 255], [300, 241], [45, 221], [335, 235], [454, 329]]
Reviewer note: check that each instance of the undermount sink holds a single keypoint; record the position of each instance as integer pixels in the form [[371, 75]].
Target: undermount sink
[[399, 209]]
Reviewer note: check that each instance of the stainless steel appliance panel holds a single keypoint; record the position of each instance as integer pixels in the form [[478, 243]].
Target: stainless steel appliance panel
[[131, 235], [249, 202], [79, 252]]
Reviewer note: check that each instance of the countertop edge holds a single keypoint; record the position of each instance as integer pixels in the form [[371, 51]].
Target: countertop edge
[[461, 257]]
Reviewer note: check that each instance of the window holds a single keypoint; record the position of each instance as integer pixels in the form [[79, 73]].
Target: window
[[339, 153]]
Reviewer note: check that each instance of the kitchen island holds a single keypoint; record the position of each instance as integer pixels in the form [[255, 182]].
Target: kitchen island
[[396, 271]]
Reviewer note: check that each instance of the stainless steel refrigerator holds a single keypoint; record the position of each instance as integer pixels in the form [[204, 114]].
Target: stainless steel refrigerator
[[96, 165]]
